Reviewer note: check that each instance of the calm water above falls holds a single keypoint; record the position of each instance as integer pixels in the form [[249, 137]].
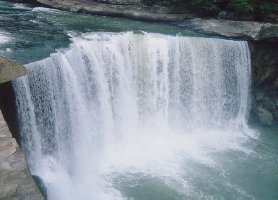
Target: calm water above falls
[[141, 116], [37, 32]]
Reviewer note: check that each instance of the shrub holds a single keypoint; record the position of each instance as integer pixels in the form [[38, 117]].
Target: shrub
[[258, 8], [243, 6]]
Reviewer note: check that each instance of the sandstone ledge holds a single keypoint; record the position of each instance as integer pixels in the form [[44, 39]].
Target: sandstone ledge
[[10, 69], [16, 181], [233, 29]]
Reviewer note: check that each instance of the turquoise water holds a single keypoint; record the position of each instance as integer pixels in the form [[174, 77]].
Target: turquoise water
[[30, 34], [37, 32], [253, 175]]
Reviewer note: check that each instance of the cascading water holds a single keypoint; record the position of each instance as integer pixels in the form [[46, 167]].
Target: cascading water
[[118, 110]]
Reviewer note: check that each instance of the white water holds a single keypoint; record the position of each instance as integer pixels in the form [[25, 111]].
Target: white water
[[4, 38], [117, 106]]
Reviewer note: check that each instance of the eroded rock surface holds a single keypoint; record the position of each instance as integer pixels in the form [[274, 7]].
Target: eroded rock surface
[[265, 81], [133, 9], [16, 181], [233, 29], [119, 8], [10, 69]]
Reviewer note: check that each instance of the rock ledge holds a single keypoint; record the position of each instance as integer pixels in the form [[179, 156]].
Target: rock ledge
[[16, 182]]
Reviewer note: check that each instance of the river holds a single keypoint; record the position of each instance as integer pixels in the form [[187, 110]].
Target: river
[[119, 109]]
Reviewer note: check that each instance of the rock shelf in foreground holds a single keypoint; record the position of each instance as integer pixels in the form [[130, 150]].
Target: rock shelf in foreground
[[16, 182]]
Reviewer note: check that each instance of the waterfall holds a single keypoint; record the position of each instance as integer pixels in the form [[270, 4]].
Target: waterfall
[[113, 105]]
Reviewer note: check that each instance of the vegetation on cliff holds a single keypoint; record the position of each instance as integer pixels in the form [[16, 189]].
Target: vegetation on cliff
[[255, 8]]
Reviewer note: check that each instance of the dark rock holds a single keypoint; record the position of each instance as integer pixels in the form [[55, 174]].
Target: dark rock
[[259, 95], [121, 2], [268, 31], [265, 117], [272, 17], [38, 180], [275, 116], [140, 12], [225, 14], [267, 103], [264, 58]]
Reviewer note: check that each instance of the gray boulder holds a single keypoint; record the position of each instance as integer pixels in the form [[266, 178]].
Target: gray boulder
[[233, 29], [10, 69]]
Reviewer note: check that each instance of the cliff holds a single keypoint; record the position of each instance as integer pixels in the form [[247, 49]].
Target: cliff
[[250, 30], [120, 8], [264, 57], [16, 181], [142, 10]]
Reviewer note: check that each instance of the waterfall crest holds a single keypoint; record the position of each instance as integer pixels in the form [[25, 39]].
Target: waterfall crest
[[115, 103]]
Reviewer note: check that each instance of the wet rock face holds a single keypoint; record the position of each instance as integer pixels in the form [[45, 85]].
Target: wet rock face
[[266, 107], [265, 81], [265, 116], [15, 179]]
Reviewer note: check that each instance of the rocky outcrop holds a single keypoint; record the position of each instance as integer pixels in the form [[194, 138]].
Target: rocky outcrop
[[133, 9], [233, 29], [265, 81], [121, 2], [232, 15], [10, 70], [227, 28], [264, 116], [119, 9], [16, 181]]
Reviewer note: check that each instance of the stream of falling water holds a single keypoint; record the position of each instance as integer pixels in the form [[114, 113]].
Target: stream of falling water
[[138, 111]]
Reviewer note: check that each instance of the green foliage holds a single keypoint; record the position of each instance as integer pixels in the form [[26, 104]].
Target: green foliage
[[243, 6], [148, 2], [265, 7], [206, 5], [258, 8]]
